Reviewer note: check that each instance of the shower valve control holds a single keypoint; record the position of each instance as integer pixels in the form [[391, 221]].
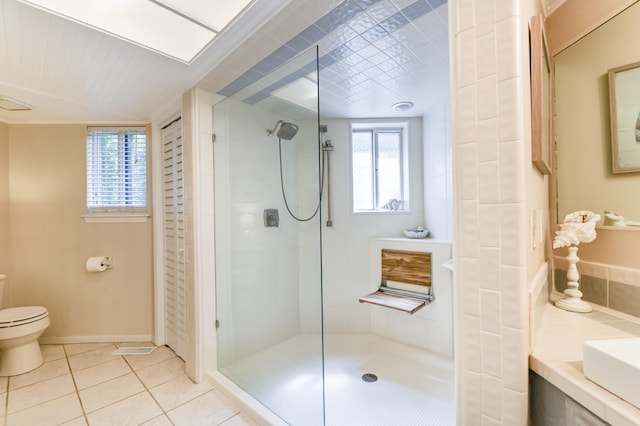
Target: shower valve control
[[271, 218]]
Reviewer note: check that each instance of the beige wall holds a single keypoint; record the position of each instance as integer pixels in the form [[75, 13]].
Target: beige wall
[[574, 18], [50, 242], [4, 198]]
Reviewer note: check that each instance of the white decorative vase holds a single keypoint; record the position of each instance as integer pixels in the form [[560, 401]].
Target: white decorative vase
[[573, 297]]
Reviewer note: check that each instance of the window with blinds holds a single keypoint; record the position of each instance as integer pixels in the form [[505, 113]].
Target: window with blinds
[[116, 170]]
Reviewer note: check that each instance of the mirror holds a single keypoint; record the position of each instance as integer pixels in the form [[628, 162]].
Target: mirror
[[585, 178]]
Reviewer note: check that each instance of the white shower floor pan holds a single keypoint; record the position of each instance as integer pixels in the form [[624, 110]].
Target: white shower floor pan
[[413, 386]]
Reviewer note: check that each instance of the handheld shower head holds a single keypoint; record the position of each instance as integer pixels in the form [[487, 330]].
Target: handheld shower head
[[287, 130]]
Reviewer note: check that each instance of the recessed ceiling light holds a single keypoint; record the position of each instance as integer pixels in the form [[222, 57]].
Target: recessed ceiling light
[[402, 106], [9, 104], [174, 29]]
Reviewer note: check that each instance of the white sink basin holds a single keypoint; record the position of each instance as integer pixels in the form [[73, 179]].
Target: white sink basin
[[614, 364]]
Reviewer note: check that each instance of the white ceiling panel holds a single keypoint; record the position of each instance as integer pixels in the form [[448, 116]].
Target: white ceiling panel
[[138, 21], [215, 14], [373, 54]]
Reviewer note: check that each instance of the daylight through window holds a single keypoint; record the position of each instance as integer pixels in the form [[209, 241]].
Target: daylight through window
[[117, 170], [379, 167]]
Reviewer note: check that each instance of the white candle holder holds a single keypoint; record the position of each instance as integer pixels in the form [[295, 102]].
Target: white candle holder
[[573, 296]]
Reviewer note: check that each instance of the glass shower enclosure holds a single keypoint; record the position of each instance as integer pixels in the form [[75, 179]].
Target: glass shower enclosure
[[268, 174]]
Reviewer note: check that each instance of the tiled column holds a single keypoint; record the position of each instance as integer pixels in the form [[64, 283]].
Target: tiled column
[[489, 47]]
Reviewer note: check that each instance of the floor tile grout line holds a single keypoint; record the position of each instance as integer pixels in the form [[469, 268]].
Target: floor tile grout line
[[148, 390], [75, 385], [76, 391], [86, 352]]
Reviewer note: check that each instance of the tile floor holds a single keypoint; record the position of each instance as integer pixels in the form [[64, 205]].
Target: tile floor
[[84, 384]]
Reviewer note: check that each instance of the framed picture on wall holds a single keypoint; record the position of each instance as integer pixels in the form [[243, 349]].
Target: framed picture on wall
[[624, 103], [541, 139]]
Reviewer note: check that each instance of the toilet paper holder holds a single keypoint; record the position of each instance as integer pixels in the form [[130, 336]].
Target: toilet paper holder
[[99, 263]]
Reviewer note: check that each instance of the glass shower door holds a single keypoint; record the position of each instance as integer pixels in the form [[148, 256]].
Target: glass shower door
[[267, 241]]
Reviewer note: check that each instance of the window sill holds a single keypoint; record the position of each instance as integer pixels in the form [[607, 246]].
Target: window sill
[[116, 218], [383, 212]]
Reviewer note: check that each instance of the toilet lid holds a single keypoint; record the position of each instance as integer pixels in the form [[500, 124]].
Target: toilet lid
[[24, 314]]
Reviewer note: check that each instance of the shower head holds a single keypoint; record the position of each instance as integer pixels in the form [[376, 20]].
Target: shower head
[[287, 130]]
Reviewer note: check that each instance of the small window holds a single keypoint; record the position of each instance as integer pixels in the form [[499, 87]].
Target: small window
[[116, 171], [379, 167]]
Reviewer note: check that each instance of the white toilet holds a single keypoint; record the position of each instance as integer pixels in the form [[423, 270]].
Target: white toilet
[[20, 329]]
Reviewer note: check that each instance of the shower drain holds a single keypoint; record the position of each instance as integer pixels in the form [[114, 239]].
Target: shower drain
[[369, 377]]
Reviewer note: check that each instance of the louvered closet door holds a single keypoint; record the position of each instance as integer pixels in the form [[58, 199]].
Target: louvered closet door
[[174, 263]]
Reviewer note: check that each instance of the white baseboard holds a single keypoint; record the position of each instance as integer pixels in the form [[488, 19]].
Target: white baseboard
[[95, 339]]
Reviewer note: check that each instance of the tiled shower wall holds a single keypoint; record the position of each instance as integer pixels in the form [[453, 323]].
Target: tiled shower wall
[[493, 182]]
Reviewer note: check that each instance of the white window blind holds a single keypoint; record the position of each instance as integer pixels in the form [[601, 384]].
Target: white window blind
[[116, 170]]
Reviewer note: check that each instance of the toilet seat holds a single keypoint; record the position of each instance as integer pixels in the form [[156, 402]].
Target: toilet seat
[[14, 317]]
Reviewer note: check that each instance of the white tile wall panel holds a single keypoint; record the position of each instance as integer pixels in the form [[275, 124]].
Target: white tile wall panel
[[502, 253], [489, 225], [490, 310], [510, 110], [487, 133], [485, 18], [466, 65], [514, 364], [471, 395], [470, 274], [491, 399], [468, 172], [507, 9], [514, 299], [486, 90], [468, 229], [507, 46], [492, 354], [466, 107], [489, 183], [513, 405], [489, 267], [486, 55], [472, 351], [464, 16], [513, 235], [511, 171], [490, 421]]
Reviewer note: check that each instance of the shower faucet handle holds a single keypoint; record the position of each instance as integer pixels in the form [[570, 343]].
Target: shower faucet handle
[[271, 218]]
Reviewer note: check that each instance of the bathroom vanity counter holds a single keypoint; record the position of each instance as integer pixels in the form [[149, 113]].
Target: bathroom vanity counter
[[557, 357]]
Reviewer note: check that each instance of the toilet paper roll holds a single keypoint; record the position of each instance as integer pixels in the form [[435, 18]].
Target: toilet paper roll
[[96, 264]]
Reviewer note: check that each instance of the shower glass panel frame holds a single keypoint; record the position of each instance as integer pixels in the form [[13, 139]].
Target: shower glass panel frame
[[268, 275]]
